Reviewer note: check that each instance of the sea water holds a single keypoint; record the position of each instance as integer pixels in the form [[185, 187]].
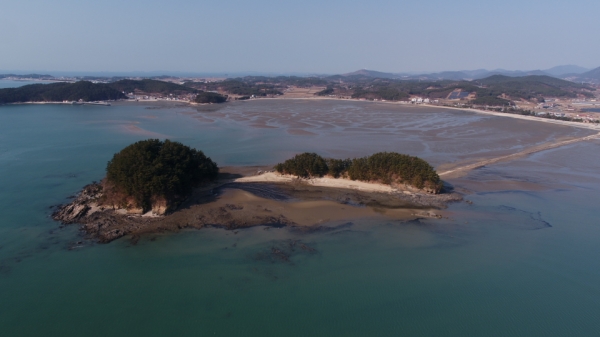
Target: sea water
[[517, 262]]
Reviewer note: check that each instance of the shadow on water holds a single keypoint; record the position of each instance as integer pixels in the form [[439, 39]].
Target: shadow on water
[[447, 187]]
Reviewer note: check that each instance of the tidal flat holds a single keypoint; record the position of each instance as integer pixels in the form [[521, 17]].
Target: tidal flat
[[518, 258]]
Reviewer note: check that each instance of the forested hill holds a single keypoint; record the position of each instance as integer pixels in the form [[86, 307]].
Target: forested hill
[[258, 86], [493, 90], [530, 81], [527, 88], [148, 86], [58, 92]]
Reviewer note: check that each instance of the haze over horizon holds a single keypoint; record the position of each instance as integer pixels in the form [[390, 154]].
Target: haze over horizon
[[310, 37]]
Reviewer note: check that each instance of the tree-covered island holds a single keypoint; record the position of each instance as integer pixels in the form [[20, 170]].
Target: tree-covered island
[[179, 186], [383, 167], [155, 175], [204, 97]]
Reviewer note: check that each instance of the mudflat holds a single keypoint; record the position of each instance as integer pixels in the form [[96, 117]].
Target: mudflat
[[454, 141], [238, 203]]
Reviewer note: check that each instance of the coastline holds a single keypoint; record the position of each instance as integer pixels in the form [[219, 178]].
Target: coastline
[[101, 103], [462, 170], [448, 170], [267, 199], [589, 126], [272, 177], [486, 112]]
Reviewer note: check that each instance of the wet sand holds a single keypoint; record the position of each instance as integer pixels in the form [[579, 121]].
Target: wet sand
[[462, 170], [240, 205], [272, 177], [456, 141], [343, 128], [480, 111]]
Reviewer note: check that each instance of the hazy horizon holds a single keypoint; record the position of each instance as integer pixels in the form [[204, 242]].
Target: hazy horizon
[[312, 37], [152, 73]]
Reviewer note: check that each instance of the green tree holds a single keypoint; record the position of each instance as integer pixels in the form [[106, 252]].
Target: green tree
[[210, 97], [304, 165], [152, 168]]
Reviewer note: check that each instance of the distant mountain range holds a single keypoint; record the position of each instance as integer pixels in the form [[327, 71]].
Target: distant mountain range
[[562, 71], [592, 76], [569, 72], [559, 72]]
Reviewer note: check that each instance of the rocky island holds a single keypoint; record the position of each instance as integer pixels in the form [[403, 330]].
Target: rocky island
[[155, 186]]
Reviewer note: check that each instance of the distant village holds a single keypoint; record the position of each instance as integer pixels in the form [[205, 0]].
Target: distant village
[[586, 110]]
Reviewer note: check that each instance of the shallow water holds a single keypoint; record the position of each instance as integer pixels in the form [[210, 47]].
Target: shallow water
[[516, 262]]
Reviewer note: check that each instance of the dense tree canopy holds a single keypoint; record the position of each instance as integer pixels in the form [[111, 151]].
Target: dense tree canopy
[[153, 168], [304, 165], [58, 92], [151, 87], [325, 92], [383, 167], [391, 167], [210, 97]]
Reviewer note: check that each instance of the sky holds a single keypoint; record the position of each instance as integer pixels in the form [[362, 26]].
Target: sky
[[312, 37]]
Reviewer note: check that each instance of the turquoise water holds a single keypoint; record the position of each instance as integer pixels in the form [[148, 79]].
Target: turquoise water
[[515, 263]]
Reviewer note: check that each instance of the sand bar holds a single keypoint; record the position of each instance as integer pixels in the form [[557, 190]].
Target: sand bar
[[272, 177], [459, 171]]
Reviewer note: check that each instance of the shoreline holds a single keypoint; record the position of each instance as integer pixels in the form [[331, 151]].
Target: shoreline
[[268, 199], [243, 199], [486, 112], [101, 103], [271, 177], [462, 170], [589, 126], [451, 170]]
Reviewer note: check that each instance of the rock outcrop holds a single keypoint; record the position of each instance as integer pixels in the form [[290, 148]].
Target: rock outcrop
[[84, 204]]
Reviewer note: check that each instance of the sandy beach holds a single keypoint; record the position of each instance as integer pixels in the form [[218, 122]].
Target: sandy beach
[[267, 199], [452, 141], [272, 177]]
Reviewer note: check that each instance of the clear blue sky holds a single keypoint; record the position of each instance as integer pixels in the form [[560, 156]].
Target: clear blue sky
[[300, 36]]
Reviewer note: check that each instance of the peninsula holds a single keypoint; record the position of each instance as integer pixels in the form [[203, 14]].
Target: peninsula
[[86, 91]]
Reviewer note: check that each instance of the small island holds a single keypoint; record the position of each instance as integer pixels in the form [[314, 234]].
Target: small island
[[204, 97], [155, 176], [388, 168], [155, 186]]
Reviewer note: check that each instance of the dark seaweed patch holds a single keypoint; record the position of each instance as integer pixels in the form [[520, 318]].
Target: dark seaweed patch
[[536, 220], [320, 229], [4, 269], [283, 252]]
